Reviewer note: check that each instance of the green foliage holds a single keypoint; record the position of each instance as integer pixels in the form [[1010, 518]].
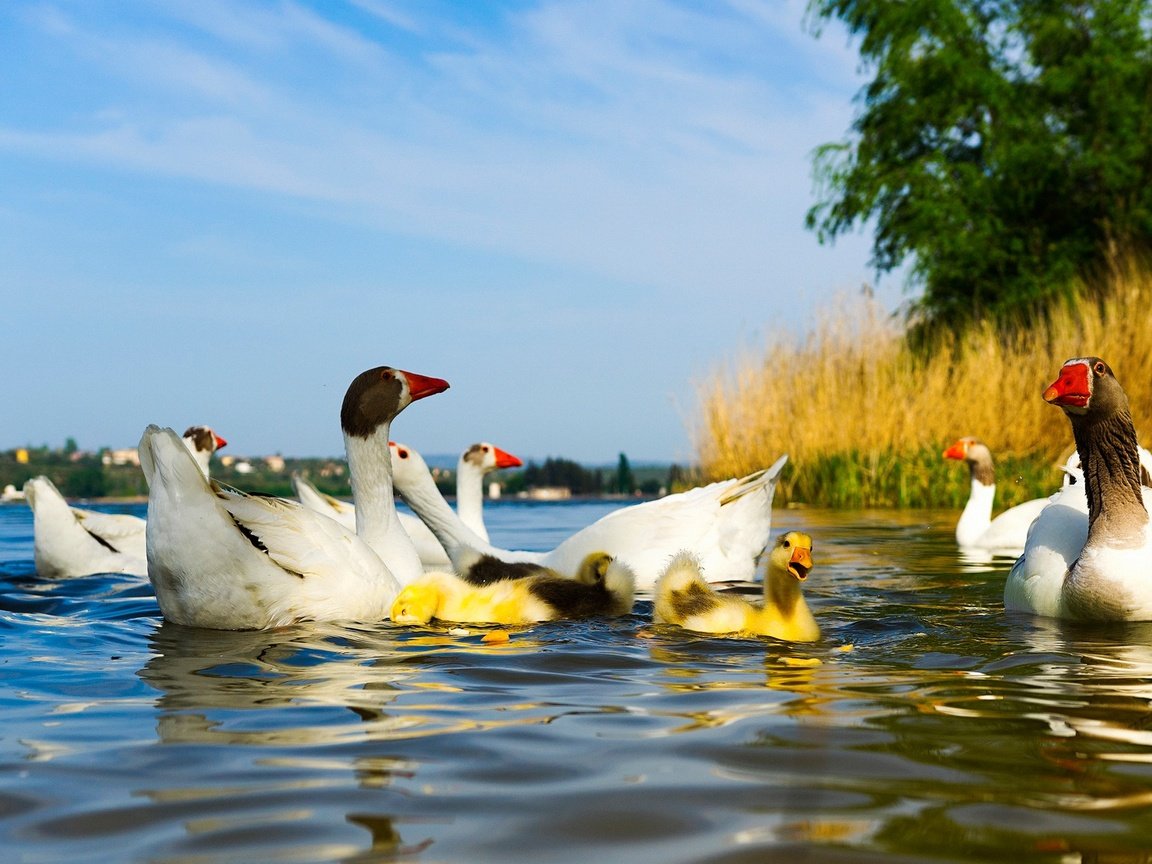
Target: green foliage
[[920, 479], [1002, 146], [625, 482], [564, 473]]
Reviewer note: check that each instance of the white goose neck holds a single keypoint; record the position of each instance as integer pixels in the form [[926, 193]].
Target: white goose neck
[[470, 496], [377, 523], [419, 490], [977, 514]]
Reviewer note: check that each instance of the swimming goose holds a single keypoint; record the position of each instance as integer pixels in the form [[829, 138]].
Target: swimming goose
[[222, 559], [477, 461], [73, 541], [726, 524], [601, 586], [976, 529], [684, 597], [1100, 567]]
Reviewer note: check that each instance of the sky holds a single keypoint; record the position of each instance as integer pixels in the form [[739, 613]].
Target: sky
[[575, 211]]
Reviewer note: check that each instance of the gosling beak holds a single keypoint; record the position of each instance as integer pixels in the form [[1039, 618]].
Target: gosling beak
[[800, 563]]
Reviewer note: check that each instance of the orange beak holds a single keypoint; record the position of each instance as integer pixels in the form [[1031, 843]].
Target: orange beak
[[420, 386], [800, 563], [504, 459], [956, 451], [220, 442]]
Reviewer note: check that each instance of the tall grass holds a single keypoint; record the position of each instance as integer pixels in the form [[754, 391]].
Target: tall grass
[[865, 420]]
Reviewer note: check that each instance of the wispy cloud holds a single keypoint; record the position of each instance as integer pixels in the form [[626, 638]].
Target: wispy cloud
[[653, 120], [598, 167]]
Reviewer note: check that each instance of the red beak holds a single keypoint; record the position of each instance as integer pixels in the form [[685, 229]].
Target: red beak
[[220, 442], [956, 451], [420, 386], [1071, 388], [504, 459]]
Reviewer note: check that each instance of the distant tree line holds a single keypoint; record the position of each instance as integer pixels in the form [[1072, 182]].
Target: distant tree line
[[84, 475]]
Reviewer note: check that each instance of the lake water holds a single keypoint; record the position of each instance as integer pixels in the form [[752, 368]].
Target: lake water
[[926, 726]]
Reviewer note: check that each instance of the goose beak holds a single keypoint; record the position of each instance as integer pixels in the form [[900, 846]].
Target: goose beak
[[504, 459], [1072, 389], [956, 451], [220, 442], [800, 563], [420, 386]]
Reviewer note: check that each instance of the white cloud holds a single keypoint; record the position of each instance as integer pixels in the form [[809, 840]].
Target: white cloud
[[654, 146]]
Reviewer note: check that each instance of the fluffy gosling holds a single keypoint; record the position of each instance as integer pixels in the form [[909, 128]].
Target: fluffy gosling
[[602, 586], [684, 598]]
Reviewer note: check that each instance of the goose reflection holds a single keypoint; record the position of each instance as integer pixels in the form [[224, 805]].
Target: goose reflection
[[1104, 674], [206, 677], [209, 681], [268, 704]]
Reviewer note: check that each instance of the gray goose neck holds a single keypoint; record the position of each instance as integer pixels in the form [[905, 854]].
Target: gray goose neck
[[1111, 462]]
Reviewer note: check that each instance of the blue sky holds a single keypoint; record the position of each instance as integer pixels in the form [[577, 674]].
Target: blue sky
[[217, 211]]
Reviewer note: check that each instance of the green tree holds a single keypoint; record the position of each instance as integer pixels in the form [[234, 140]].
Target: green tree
[[1002, 147], [625, 483]]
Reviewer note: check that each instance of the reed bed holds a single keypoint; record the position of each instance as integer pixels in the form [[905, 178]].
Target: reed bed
[[864, 419]]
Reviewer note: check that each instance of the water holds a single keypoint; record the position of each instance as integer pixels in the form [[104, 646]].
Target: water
[[926, 726]]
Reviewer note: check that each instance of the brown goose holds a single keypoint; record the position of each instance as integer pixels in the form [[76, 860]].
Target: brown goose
[[1099, 568]]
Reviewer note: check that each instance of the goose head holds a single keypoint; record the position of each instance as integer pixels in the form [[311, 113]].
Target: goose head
[[488, 457], [408, 467], [201, 439], [976, 453], [1086, 386], [376, 396]]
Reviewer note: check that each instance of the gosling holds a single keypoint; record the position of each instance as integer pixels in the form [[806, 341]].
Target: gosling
[[601, 586], [684, 598]]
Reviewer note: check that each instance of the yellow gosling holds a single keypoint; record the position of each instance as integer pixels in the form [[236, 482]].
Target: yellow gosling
[[684, 598], [601, 586]]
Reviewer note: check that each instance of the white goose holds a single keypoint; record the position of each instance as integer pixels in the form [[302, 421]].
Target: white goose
[[72, 541], [976, 529], [222, 559], [477, 461], [725, 524], [1096, 568]]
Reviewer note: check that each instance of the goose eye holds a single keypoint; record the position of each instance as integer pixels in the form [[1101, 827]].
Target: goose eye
[[1100, 368], [403, 454]]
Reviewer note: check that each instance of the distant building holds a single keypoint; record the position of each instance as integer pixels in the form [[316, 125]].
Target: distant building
[[274, 463], [127, 456], [546, 493]]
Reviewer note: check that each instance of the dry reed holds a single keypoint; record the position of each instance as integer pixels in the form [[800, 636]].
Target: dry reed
[[864, 420]]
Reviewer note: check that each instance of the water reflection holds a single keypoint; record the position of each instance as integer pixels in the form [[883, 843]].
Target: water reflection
[[339, 684], [926, 725]]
